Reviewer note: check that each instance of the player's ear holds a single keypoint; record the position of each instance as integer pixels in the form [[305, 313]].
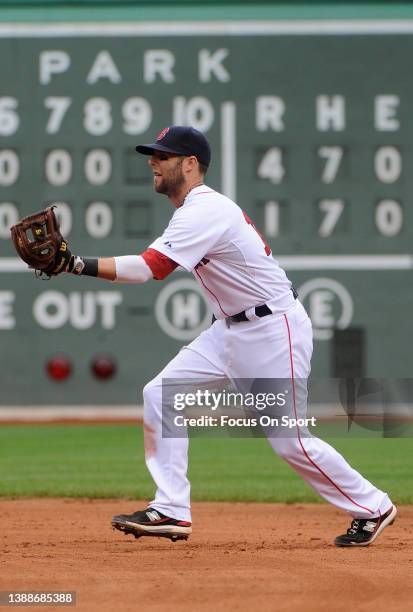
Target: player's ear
[[194, 162], [190, 163]]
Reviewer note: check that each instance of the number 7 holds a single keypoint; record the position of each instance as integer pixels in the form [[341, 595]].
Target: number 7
[[58, 107]]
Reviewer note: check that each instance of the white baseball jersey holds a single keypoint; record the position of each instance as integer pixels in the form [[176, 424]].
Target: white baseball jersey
[[211, 237]]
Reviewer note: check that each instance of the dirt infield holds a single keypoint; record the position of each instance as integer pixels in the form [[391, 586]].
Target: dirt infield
[[240, 557]]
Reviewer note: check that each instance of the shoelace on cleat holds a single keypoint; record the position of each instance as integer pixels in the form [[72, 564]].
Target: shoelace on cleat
[[357, 526], [354, 527]]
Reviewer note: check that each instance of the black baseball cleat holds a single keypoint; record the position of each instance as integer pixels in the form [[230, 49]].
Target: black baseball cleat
[[364, 531], [151, 522]]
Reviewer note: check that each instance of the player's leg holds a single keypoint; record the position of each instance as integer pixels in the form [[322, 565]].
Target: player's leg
[[283, 348], [166, 451]]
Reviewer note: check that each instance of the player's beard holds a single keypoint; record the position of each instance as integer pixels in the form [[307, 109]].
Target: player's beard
[[171, 183]]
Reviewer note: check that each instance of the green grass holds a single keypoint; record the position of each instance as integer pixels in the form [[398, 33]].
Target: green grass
[[107, 461]]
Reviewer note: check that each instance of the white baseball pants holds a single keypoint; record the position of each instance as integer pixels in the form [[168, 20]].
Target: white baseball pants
[[275, 346]]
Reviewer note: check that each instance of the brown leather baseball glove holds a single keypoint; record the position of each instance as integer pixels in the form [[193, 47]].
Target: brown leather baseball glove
[[40, 244]]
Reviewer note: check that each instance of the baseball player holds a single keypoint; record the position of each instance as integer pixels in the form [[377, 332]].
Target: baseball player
[[261, 331]]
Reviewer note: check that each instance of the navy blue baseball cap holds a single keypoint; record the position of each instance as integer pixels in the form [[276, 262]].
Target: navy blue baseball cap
[[180, 140]]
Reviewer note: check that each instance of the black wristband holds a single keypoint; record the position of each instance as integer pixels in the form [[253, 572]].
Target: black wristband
[[82, 266], [91, 267]]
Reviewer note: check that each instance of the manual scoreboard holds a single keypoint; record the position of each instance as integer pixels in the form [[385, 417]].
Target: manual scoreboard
[[311, 133]]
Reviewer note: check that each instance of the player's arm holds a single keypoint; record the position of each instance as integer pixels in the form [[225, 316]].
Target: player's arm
[[133, 269], [40, 244]]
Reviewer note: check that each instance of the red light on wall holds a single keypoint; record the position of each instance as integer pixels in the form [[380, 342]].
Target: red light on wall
[[59, 367], [103, 367]]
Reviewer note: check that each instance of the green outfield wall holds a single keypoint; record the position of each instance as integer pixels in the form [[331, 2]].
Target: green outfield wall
[[185, 10], [308, 110]]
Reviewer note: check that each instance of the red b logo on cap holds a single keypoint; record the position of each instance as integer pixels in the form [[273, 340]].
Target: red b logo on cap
[[162, 134]]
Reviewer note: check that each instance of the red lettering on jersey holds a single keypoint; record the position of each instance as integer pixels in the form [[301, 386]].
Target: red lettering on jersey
[[160, 264], [204, 261], [248, 220]]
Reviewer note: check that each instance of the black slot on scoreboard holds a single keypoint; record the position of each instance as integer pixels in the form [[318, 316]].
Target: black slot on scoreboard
[[348, 353]]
